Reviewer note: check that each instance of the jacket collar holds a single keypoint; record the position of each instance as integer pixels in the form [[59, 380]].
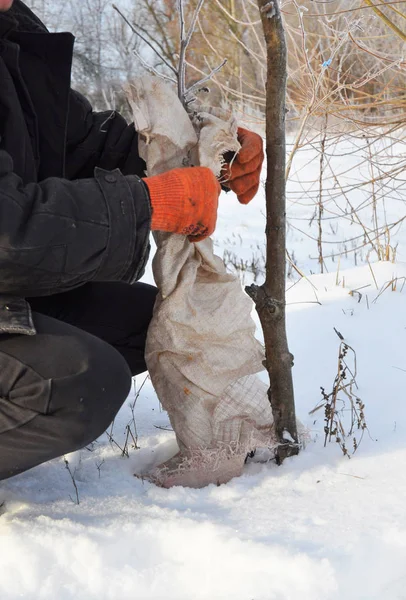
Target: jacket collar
[[8, 23], [20, 17]]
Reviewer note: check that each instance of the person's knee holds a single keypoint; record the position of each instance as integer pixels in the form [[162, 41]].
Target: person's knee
[[65, 387]]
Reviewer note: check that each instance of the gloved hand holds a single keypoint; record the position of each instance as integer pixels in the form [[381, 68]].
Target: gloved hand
[[242, 175], [184, 201]]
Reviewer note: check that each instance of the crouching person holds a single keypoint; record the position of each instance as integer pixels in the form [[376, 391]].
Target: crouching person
[[75, 219]]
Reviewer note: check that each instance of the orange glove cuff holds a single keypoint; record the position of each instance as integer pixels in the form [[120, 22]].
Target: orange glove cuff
[[165, 191], [184, 201]]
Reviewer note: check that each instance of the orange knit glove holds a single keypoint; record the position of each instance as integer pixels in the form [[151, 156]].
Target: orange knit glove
[[184, 201], [242, 175]]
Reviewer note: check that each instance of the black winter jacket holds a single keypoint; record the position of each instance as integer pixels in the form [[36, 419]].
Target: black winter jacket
[[73, 208]]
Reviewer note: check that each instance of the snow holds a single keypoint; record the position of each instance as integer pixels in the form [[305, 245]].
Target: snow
[[287, 436], [321, 526]]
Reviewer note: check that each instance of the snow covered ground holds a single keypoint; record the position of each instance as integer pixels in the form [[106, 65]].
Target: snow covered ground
[[321, 526]]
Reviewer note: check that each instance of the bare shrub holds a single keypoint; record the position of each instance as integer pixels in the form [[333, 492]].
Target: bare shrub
[[344, 411]]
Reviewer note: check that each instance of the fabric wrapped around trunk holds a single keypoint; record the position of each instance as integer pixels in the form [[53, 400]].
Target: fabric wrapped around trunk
[[202, 354]]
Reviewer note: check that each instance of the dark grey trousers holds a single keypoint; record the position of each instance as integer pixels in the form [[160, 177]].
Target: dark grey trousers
[[60, 389]]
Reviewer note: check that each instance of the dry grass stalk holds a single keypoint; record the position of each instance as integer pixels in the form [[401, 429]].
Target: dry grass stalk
[[391, 285], [343, 422], [130, 431]]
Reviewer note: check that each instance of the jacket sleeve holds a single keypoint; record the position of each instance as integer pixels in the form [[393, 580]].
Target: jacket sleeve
[[59, 234], [99, 140]]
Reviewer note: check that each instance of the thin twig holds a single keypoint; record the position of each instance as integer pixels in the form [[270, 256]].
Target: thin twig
[[73, 481], [208, 77], [152, 69], [144, 39], [184, 44]]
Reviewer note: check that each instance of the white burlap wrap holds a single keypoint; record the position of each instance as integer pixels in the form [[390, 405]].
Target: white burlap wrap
[[202, 354]]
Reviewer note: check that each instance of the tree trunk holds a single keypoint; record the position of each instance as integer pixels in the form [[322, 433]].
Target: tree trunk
[[270, 297]]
